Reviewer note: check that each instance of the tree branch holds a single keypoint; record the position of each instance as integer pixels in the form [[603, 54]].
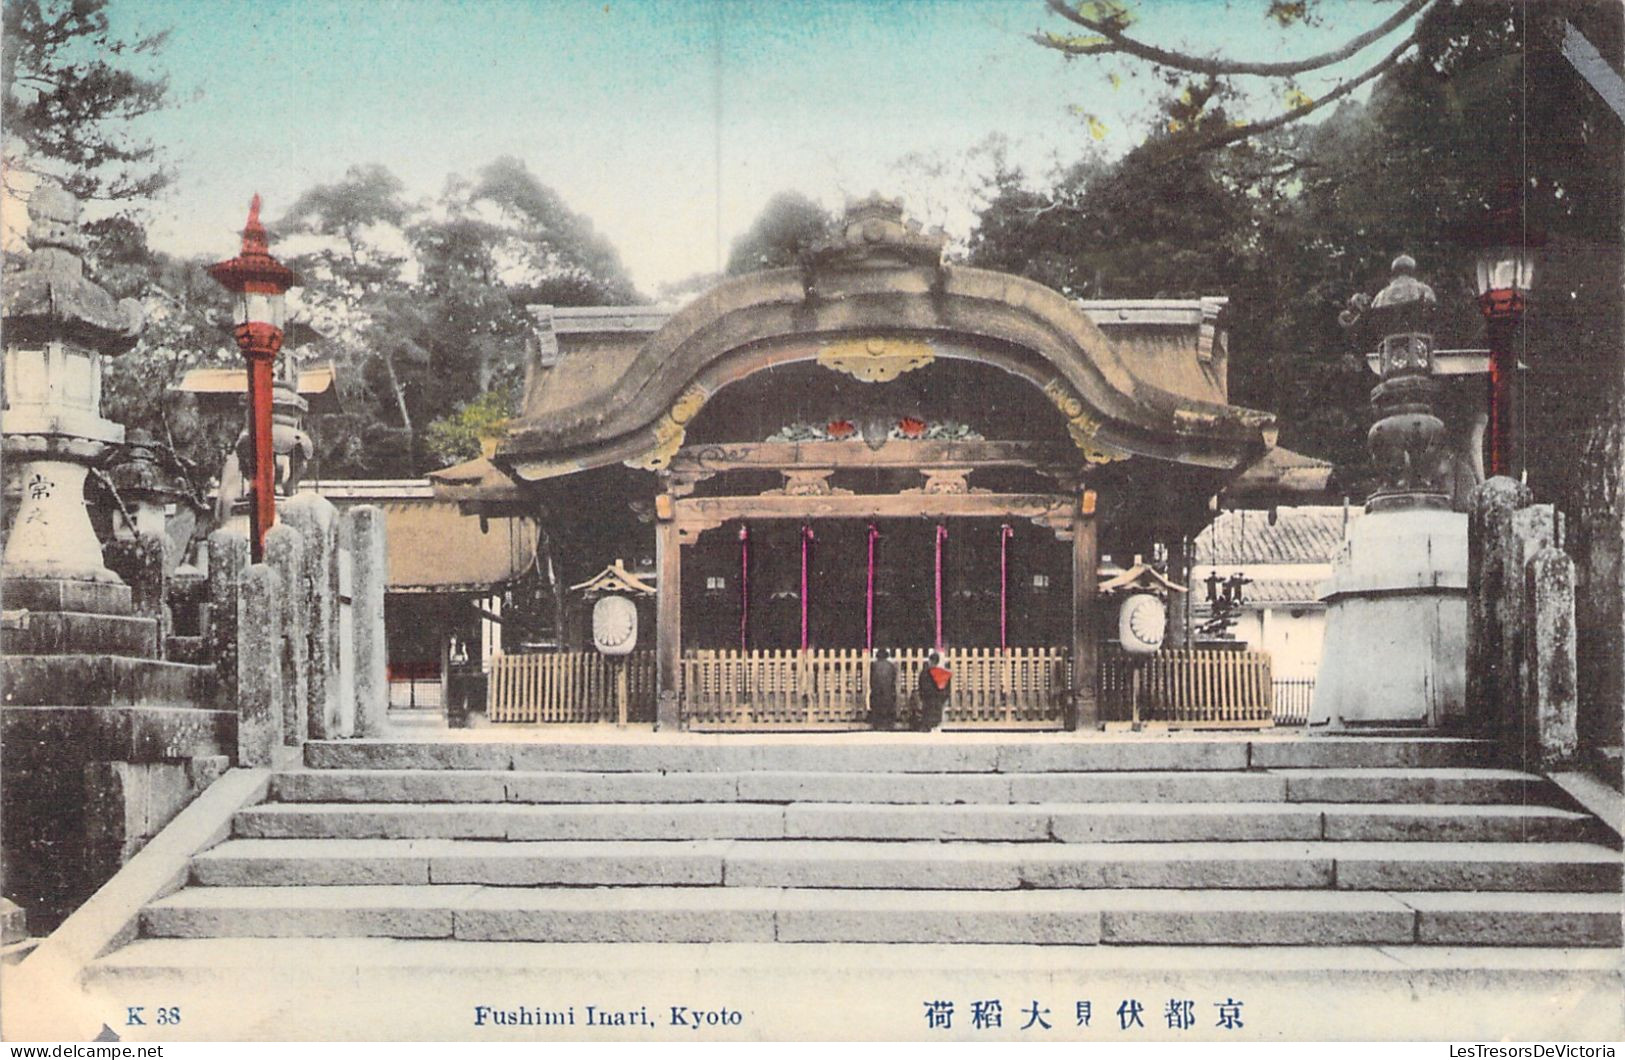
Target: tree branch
[[1117, 41], [1242, 132]]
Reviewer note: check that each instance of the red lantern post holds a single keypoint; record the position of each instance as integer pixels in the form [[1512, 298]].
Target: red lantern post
[[259, 283], [1505, 273]]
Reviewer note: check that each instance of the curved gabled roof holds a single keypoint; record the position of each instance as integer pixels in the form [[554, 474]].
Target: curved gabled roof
[[873, 301]]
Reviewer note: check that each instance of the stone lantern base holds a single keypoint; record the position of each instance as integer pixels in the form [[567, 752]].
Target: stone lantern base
[[1396, 625]]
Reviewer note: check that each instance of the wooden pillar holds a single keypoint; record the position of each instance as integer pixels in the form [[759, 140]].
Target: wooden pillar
[[1179, 604], [1085, 602], [668, 615]]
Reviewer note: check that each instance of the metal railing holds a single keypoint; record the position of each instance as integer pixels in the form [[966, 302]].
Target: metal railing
[[1292, 697]]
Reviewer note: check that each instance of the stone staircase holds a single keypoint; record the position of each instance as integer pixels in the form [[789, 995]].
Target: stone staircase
[[1321, 842]]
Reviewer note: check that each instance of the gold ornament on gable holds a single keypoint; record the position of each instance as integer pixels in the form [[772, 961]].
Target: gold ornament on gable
[[876, 359], [1080, 424], [670, 429]]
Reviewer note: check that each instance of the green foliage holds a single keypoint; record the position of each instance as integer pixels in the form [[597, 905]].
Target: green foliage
[[187, 327], [71, 87], [422, 306], [789, 224], [1289, 224], [458, 436]]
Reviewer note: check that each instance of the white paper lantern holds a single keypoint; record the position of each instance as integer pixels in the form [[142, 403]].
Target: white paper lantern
[[1141, 623], [615, 625]]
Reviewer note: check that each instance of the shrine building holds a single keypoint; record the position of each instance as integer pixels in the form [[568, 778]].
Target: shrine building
[[873, 449]]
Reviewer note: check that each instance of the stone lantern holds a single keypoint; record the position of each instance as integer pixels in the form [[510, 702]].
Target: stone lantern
[[1396, 604], [58, 326]]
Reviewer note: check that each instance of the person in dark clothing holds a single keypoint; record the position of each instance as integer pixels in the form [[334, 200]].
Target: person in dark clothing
[[882, 691], [935, 682]]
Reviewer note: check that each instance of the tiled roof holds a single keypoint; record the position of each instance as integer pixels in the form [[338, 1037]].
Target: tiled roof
[[1270, 592], [1298, 535]]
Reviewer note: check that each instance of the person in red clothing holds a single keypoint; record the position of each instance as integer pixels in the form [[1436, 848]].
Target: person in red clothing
[[935, 682]]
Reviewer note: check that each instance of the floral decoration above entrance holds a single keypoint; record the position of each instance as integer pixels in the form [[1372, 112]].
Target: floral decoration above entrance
[[905, 429]]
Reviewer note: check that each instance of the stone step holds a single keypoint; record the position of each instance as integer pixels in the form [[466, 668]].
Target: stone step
[[748, 914], [1414, 785], [1038, 822], [906, 753], [1339, 785], [70, 632], [103, 681], [64, 594], [913, 865]]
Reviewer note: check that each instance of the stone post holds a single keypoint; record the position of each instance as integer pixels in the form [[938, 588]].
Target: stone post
[[1495, 608], [1534, 527], [228, 557], [317, 522], [140, 562], [369, 574], [1551, 685], [285, 554], [259, 667]]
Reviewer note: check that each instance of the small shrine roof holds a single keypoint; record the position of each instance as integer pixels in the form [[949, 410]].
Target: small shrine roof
[[475, 480], [615, 578], [1141, 575]]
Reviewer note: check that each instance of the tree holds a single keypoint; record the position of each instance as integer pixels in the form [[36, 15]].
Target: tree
[[462, 434], [1201, 86], [422, 305], [788, 225], [1292, 220], [187, 326], [541, 248], [501, 241], [354, 279], [71, 87]]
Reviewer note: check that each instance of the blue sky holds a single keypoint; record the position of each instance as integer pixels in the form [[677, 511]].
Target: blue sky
[[669, 124]]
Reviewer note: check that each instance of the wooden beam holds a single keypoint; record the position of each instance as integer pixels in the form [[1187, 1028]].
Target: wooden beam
[[1085, 604], [1039, 507], [853, 453], [668, 618]]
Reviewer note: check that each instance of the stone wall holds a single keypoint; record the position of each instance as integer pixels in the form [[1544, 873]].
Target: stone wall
[[105, 743], [1521, 635]]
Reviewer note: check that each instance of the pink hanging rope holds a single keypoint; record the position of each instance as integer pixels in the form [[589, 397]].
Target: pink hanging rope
[[869, 593], [1005, 534], [942, 537], [744, 587], [806, 548]]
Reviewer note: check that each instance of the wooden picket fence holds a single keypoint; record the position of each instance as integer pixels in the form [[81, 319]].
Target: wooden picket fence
[[1193, 689], [572, 686], [1018, 688]]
